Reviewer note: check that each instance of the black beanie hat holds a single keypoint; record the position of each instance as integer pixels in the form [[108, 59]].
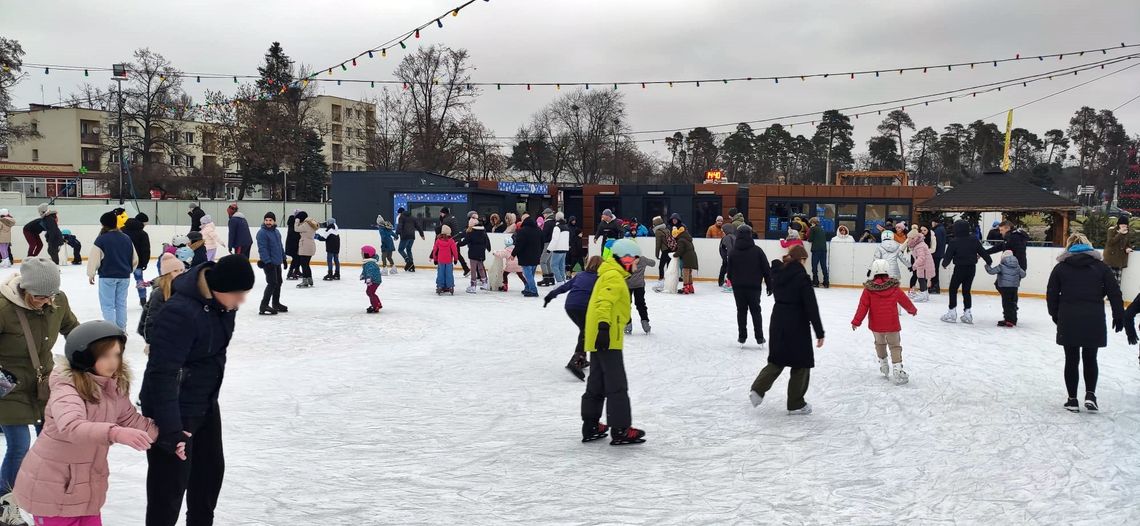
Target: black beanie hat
[[143, 217], [270, 215], [445, 210], [1122, 220], [302, 215], [232, 273], [109, 221]]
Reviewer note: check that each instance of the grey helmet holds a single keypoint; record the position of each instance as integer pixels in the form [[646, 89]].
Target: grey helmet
[[77, 348]]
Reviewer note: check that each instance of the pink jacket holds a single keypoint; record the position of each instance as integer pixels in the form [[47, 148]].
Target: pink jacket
[[510, 263], [65, 472], [923, 266], [445, 251]]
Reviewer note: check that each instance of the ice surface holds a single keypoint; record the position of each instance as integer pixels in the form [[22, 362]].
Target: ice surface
[[457, 410]]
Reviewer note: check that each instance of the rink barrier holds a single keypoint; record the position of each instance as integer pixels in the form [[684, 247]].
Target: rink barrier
[[849, 262]]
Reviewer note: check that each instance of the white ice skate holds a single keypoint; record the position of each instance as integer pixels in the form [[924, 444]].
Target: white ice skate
[[471, 289], [805, 410], [951, 316], [884, 367], [756, 398], [921, 297], [392, 271], [483, 285], [10, 516], [5, 264], [967, 317], [660, 286], [900, 374]]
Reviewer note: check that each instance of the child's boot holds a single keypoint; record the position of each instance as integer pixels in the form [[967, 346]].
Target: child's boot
[[967, 317], [951, 316], [884, 367], [900, 374]]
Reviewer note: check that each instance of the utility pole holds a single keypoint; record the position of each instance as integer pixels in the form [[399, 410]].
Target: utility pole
[[119, 72], [616, 122]]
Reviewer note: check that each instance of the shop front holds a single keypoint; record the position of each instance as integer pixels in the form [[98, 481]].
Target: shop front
[[858, 208]]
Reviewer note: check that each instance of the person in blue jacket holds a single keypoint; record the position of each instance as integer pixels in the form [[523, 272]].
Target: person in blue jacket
[[184, 372], [387, 245], [240, 240], [271, 252], [579, 288]]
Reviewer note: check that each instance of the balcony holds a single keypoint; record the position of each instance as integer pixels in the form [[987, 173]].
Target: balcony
[[89, 138], [93, 165]]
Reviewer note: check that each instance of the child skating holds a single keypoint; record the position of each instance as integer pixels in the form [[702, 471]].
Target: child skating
[[579, 288], [372, 277], [636, 284], [607, 386], [387, 246], [330, 234], [478, 244], [445, 254], [880, 300], [963, 250], [1009, 274], [63, 480]]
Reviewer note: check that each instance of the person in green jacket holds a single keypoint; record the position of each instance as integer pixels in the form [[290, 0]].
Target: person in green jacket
[[32, 294], [606, 314], [818, 239]]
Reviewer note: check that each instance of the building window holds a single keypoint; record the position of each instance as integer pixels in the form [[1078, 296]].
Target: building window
[[874, 215], [188, 137], [133, 131], [336, 113], [190, 161], [113, 157], [172, 136], [347, 113], [113, 130], [848, 215], [35, 155], [175, 160], [35, 127]]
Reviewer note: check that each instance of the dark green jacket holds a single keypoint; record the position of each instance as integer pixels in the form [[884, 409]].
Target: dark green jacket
[[22, 406], [818, 239]]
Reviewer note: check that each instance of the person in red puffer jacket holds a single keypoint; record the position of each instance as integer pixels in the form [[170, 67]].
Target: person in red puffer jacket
[[881, 298]]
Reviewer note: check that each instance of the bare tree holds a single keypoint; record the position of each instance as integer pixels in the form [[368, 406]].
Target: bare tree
[[594, 121], [438, 81], [390, 147], [11, 61]]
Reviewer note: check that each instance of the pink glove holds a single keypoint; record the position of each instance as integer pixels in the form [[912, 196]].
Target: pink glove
[[129, 436]]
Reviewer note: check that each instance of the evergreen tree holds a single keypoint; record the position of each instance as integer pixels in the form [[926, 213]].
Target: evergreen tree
[[892, 127], [739, 153], [832, 141], [923, 146], [312, 171], [277, 71], [883, 153]]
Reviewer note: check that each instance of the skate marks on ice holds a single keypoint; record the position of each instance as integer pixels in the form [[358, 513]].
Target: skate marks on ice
[[457, 410]]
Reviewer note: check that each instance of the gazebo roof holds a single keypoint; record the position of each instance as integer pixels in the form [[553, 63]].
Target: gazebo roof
[[998, 192]]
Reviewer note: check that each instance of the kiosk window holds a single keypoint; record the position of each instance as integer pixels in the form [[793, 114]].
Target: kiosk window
[[873, 216]]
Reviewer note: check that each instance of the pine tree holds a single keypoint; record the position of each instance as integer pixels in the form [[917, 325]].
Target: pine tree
[[312, 171], [277, 71]]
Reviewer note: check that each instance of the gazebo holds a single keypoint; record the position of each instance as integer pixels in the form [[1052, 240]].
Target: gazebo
[[1001, 192]]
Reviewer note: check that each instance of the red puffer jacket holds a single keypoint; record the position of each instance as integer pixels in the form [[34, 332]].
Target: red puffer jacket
[[881, 297]]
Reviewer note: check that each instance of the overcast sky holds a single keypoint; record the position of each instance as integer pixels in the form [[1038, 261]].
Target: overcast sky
[[633, 40]]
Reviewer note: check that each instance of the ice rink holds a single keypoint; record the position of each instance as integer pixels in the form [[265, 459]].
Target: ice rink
[[457, 410]]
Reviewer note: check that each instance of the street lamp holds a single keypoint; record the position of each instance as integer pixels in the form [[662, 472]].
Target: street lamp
[[119, 74]]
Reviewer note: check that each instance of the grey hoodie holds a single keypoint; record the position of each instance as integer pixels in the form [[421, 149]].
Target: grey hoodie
[[1008, 272], [728, 240], [636, 279]]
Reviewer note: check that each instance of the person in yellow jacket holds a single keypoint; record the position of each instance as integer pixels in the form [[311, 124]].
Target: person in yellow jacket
[[606, 315]]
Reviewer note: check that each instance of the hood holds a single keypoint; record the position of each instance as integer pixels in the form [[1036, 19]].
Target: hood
[[1019, 233], [133, 224], [313, 223], [612, 265], [530, 222], [660, 226], [657, 221], [961, 229], [743, 242], [1080, 259], [238, 214], [729, 229], [10, 290], [1010, 261], [915, 240], [880, 284], [676, 217], [889, 245], [738, 218]]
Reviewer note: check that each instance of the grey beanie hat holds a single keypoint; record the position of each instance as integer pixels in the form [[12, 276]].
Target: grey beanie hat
[[42, 209], [607, 212], [39, 277]]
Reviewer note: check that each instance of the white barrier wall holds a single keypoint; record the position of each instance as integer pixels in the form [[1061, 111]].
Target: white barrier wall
[[848, 261]]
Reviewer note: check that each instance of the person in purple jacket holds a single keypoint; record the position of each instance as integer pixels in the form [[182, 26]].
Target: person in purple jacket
[[579, 288]]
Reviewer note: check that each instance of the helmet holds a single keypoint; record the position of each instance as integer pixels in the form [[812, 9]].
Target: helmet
[[369, 251], [79, 341], [180, 240], [65, 232], [625, 247], [184, 254], [880, 266]]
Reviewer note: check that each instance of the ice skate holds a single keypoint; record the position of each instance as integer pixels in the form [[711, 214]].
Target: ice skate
[[659, 286], [328, 277], [951, 316], [632, 435], [1090, 402], [471, 289], [10, 514], [761, 341], [922, 297], [743, 337], [884, 367], [266, 310], [967, 317], [371, 310], [305, 283], [755, 398], [483, 285], [629, 327], [1073, 405], [805, 410], [726, 288], [336, 276], [592, 432], [645, 326], [280, 308], [900, 374]]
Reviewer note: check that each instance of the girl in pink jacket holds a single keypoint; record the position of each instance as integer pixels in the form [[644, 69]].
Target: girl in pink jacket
[[63, 480], [923, 265], [445, 254]]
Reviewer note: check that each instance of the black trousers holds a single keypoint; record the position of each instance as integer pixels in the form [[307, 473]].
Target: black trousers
[[937, 272], [579, 319], [748, 300], [963, 276], [723, 272], [1073, 358], [1008, 303], [638, 295], [199, 477], [661, 265], [53, 251], [294, 264], [303, 268], [607, 387], [272, 295]]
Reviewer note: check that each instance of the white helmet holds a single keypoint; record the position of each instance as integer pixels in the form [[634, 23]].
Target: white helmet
[[880, 266]]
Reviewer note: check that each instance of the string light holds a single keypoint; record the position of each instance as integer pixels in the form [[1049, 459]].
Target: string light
[[354, 63], [417, 33], [85, 74], [455, 12], [439, 23], [402, 46], [370, 54], [384, 52]]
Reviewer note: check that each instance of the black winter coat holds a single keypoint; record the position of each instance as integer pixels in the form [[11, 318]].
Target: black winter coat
[[292, 238], [575, 240], [609, 230], [478, 243], [196, 215], [964, 249], [528, 243], [1075, 298], [134, 229], [1015, 241], [408, 226], [547, 229], [451, 223], [748, 266], [794, 316], [52, 234], [35, 226], [940, 247], [188, 342]]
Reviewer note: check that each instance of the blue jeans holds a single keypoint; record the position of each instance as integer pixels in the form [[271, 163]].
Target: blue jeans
[[445, 276], [138, 283], [528, 276], [819, 259], [18, 440], [405, 250], [333, 258], [558, 266], [113, 300]]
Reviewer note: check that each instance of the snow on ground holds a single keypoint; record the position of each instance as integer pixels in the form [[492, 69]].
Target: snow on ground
[[457, 410]]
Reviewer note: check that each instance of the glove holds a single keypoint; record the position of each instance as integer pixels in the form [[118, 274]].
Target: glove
[[129, 436], [260, 264], [1117, 324], [1132, 340], [602, 343], [546, 301], [284, 265], [368, 281]]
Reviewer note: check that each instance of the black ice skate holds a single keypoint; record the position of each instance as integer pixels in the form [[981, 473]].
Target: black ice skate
[[595, 431], [280, 308], [1073, 405], [577, 365], [622, 437], [1090, 402], [267, 311]]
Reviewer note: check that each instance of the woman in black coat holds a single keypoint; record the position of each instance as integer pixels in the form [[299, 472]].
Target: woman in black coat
[[528, 250], [794, 317], [1075, 297], [748, 270], [577, 255], [292, 245]]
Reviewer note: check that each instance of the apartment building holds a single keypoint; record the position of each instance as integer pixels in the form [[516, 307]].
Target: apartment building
[[349, 126]]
